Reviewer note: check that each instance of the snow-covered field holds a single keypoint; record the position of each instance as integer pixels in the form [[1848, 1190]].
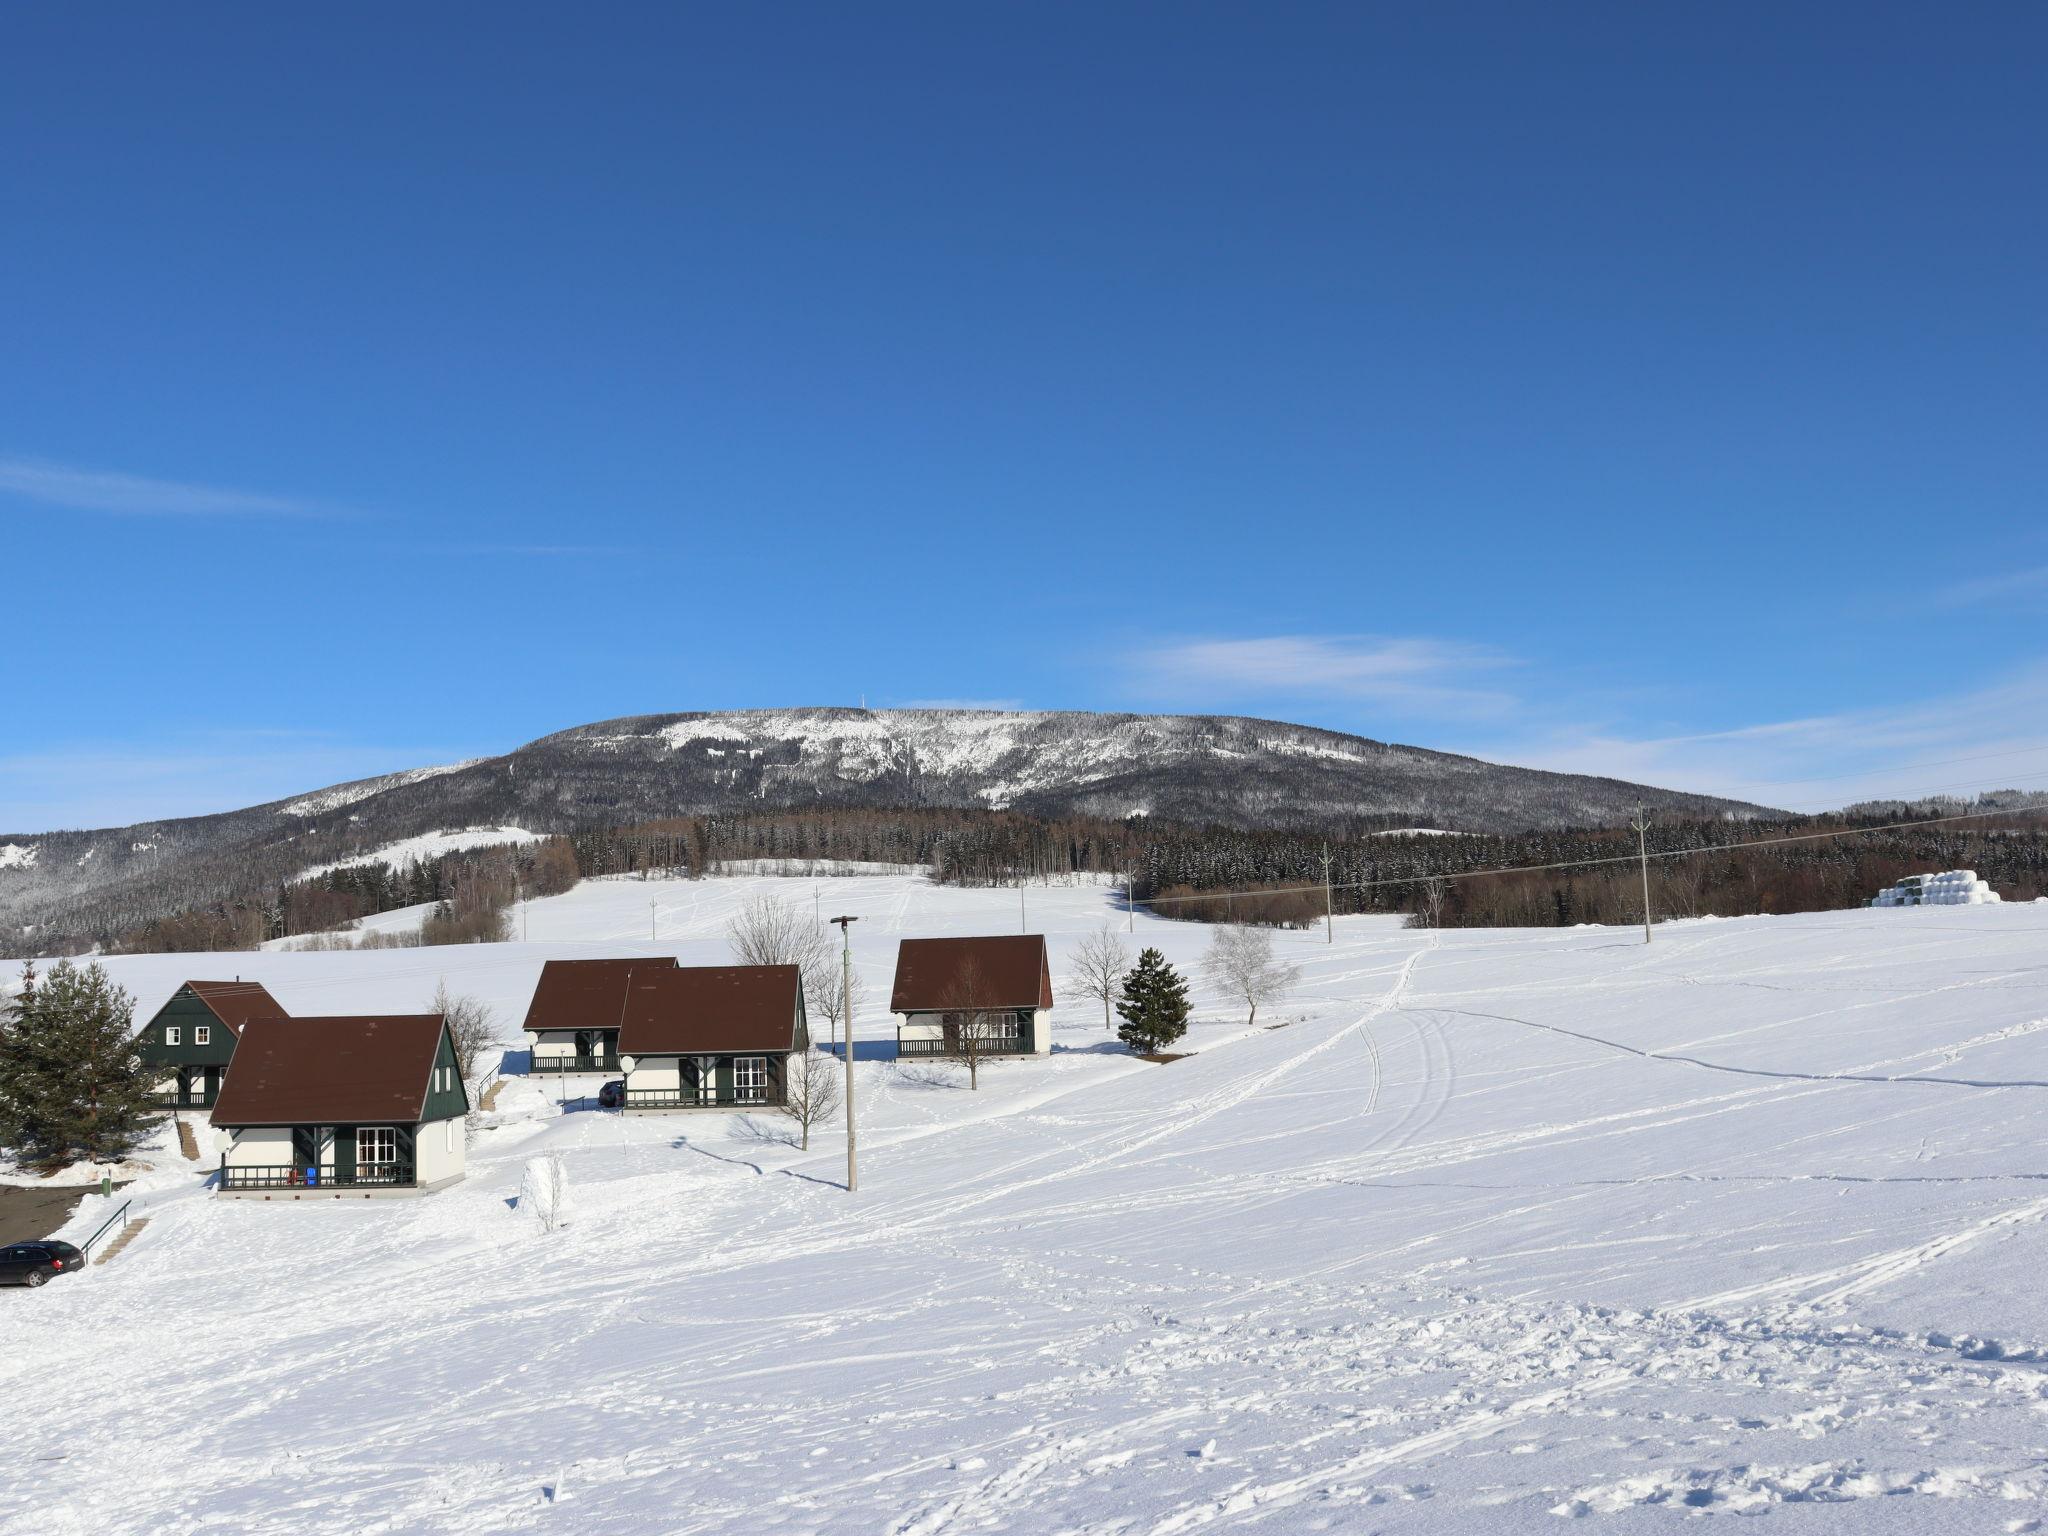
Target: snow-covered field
[[1488, 1232]]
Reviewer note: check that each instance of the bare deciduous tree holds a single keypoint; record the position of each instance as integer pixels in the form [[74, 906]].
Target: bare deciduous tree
[[1099, 963], [1240, 963], [973, 1028], [772, 932], [812, 1095], [471, 1027], [825, 988], [1434, 890]]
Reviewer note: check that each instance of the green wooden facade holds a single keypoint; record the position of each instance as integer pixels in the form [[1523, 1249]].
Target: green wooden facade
[[445, 1103], [188, 1046]]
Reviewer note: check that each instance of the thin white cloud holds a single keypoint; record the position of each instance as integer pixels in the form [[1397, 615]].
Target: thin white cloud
[[113, 784], [1994, 737], [94, 490], [1993, 589], [1419, 676]]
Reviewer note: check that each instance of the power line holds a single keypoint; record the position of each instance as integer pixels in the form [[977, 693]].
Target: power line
[[1619, 858]]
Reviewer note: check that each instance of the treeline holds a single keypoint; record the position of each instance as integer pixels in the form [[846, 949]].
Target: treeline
[[1202, 874], [471, 893]]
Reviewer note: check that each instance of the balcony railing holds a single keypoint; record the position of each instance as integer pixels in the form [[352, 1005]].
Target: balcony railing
[[549, 1066], [235, 1176], [986, 1045], [182, 1100], [689, 1098]]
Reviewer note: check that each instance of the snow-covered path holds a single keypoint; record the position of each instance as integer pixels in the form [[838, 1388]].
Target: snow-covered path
[[1484, 1233]]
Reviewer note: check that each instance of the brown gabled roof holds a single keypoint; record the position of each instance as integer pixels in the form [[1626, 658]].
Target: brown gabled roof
[[332, 1071], [1000, 971], [235, 1003], [712, 1009], [586, 994]]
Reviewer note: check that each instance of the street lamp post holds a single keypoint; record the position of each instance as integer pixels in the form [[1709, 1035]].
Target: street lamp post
[[846, 1007]]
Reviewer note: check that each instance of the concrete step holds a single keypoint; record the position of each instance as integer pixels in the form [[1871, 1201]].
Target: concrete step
[[122, 1240], [187, 1142]]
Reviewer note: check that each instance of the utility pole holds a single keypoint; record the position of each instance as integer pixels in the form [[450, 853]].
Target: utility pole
[[1642, 826], [846, 1006], [1023, 923], [1329, 907], [651, 932]]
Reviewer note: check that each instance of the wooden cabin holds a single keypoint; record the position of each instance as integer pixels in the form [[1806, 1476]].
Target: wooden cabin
[[572, 1024], [998, 987], [343, 1108], [712, 1036], [192, 1038]]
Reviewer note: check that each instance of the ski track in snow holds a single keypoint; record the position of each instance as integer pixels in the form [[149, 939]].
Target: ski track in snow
[[1492, 1230]]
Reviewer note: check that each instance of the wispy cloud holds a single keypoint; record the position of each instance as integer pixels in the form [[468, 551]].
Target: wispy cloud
[[112, 783], [1992, 737], [95, 490], [1992, 589], [1419, 676]]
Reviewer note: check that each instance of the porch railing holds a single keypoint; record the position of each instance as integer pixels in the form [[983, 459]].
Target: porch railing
[[235, 1176], [182, 1100], [548, 1066], [987, 1045], [689, 1098]]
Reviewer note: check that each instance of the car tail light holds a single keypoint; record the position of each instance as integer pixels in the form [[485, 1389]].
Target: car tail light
[[56, 1263]]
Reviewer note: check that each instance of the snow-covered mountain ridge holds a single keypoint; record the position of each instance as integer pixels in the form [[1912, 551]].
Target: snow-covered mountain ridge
[[1207, 769]]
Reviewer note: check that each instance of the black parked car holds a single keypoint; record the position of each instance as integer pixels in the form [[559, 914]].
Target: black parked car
[[612, 1095], [33, 1263]]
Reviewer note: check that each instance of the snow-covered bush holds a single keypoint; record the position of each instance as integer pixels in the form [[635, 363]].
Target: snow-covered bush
[[544, 1191]]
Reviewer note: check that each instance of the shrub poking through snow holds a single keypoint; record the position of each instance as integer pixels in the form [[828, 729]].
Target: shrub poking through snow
[[1154, 1005], [813, 1091], [544, 1191]]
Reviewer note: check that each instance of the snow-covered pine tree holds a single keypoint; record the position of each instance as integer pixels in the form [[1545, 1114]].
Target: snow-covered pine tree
[[1154, 1006], [71, 1086]]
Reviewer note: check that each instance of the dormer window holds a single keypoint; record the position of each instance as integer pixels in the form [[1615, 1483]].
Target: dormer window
[[202, 1034], [171, 1034]]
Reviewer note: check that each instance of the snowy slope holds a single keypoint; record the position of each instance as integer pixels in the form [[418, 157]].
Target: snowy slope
[[1490, 1232], [428, 846]]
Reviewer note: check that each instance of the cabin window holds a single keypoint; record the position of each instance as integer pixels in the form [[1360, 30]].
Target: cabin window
[[171, 1034], [376, 1147], [202, 1034], [750, 1079], [447, 1135]]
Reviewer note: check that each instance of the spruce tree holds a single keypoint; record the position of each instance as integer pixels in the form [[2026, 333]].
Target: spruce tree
[[1154, 1006], [71, 1086]]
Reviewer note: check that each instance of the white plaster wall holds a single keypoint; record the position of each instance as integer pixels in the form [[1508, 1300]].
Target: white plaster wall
[[655, 1074], [553, 1042], [263, 1146], [440, 1151]]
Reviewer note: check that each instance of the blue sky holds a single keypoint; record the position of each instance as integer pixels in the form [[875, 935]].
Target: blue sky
[[1654, 390]]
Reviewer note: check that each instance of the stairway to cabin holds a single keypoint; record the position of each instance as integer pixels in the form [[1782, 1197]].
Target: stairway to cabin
[[127, 1236], [187, 1142]]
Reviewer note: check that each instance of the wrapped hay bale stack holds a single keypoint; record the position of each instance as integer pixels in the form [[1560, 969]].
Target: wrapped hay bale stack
[[1950, 888]]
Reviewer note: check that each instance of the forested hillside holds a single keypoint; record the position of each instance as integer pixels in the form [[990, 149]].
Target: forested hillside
[[65, 889]]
